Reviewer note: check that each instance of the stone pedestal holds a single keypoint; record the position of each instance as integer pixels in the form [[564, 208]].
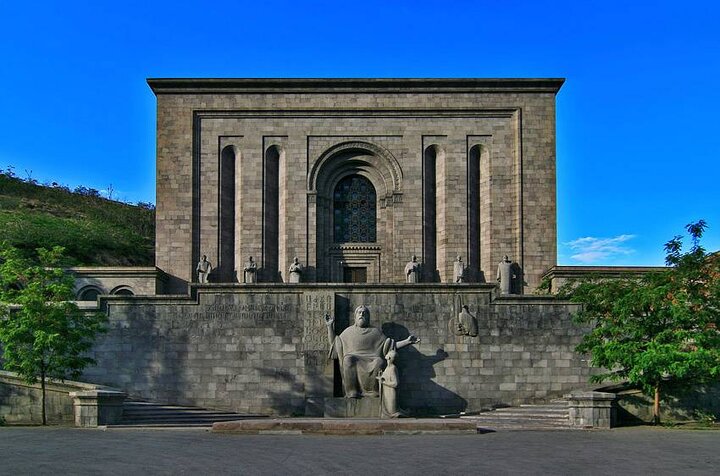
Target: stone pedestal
[[592, 409], [366, 407], [98, 407]]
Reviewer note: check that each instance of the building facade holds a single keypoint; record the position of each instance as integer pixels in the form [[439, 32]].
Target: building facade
[[355, 176]]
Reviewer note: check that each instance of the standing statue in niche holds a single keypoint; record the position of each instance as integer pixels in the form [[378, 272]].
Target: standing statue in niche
[[204, 268], [506, 275], [412, 270], [465, 324], [388, 388], [459, 270], [295, 271], [251, 271], [361, 350]]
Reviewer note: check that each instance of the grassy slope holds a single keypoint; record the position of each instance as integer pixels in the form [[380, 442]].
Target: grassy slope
[[93, 230]]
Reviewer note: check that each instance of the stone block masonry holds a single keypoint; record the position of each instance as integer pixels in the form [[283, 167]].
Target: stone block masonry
[[249, 167], [263, 349]]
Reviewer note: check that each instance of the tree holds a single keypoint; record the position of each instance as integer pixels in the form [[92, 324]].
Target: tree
[[42, 332], [660, 330]]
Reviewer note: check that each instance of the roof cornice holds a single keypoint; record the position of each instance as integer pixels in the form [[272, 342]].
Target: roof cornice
[[352, 85]]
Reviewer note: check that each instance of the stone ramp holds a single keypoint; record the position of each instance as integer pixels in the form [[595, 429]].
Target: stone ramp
[[551, 416], [154, 415], [341, 426]]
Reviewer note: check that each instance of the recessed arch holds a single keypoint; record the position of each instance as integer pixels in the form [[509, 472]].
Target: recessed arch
[[89, 293], [272, 165], [123, 290], [473, 210], [433, 160], [360, 154], [228, 170], [366, 162]]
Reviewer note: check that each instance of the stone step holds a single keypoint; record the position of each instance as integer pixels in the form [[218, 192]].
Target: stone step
[[179, 416], [531, 409], [154, 415], [178, 422], [558, 408], [199, 413], [137, 406], [537, 414], [553, 416], [205, 426]]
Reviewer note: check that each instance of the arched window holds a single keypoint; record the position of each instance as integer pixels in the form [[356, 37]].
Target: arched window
[[89, 293], [355, 211], [123, 291]]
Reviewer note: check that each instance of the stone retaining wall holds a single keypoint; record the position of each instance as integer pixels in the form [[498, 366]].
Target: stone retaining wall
[[263, 348], [21, 403]]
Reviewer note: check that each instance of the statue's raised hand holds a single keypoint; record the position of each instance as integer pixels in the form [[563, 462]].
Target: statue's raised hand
[[329, 320], [411, 339]]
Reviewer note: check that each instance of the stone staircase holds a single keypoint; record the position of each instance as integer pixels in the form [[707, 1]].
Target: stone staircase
[[142, 414], [550, 416], [153, 415]]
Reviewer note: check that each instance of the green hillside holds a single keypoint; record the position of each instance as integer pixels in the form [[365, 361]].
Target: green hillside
[[93, 230]]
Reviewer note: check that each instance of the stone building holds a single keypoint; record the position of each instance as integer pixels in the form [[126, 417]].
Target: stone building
[[354, 176]]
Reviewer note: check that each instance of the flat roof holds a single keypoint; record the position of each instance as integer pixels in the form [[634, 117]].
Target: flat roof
[[353, 85]]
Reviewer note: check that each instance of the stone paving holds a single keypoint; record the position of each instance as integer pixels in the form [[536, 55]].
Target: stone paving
[[640, 450]]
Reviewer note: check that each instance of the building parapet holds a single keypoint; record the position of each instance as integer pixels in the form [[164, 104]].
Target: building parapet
[[559, 275]]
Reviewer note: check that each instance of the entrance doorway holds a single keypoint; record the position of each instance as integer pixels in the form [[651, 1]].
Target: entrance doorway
[[354, 275]]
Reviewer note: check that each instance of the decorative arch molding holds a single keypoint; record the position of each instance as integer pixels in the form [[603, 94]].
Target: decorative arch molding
[[355, 167], [358, 155], [123, 290], [89, 293]]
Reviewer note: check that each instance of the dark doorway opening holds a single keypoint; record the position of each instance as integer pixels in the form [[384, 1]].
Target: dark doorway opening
[[354, 275]]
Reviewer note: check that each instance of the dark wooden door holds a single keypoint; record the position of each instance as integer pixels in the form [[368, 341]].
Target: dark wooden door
[[354, 275]]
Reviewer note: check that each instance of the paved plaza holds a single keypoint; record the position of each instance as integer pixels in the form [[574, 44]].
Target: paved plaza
[[35, 450]]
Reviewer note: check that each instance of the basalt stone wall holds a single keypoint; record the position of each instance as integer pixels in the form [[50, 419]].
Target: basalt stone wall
[[263, 349], [247, 167]]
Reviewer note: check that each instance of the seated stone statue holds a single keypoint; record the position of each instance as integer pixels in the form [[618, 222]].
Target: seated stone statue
[[361, 351]]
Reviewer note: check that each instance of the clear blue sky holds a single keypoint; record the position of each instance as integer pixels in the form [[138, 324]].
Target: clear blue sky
[[638, 129]]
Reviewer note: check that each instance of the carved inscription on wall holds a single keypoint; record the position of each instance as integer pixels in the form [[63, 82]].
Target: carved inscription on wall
[[316, 304], [239, 311], [253, 314]]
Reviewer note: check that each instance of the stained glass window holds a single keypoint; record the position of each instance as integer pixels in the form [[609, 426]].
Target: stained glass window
[[355, 211]]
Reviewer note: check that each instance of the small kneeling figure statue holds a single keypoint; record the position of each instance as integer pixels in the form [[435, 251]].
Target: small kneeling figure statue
[[361, 352]]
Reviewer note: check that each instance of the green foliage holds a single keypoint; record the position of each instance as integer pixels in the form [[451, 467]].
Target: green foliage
[[659, 330], [545, 287], [42, 332], [705, 418], [93, 230]]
